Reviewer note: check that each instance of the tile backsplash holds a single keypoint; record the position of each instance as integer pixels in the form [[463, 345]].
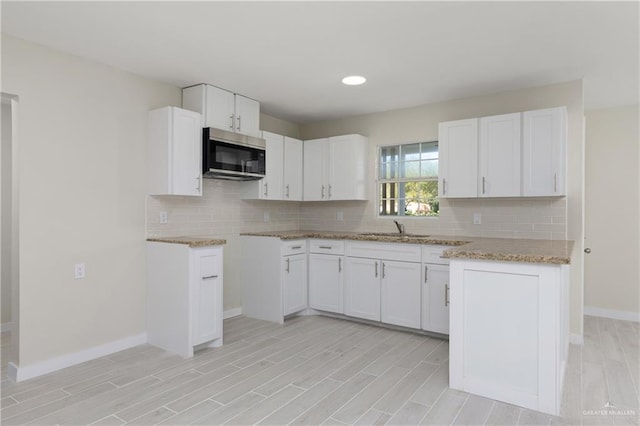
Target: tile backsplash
[[220, 212]]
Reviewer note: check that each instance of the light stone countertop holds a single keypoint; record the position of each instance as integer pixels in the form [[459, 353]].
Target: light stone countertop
[[190, 241], [499, 249]]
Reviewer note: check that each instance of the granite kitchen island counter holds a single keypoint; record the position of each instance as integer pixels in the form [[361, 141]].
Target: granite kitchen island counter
[[190, 241]]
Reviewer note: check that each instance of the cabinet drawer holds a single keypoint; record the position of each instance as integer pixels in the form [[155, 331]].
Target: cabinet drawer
[[294, 247], [431, 254], [384, 251], [326, 246]]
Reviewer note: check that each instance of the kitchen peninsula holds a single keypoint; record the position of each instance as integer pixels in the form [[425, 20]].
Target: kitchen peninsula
[[503, 302]]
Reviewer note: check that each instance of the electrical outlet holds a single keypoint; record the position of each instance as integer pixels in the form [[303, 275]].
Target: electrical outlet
[[79, 271], [266, 217], [339, 215], [477, 218], [164, 218]]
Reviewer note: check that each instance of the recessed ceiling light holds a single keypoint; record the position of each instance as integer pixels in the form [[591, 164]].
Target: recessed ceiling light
[[354, 80]]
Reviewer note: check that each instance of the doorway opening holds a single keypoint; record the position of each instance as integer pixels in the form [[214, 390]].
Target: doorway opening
[[9, 272]]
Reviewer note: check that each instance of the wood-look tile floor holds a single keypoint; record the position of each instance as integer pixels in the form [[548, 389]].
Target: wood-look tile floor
[[318, 370]]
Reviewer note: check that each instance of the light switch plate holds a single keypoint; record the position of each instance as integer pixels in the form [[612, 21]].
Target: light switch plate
[[79, 271], [339, 215]]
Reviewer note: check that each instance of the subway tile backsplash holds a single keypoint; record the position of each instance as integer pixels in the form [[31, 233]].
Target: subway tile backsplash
[[221, 212]]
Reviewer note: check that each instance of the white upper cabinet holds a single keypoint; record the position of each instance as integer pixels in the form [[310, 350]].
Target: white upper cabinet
[[247, 116], [316, 171], [175, 152], [544, 156], [458, 162], [335, 168], [283, 179], [510, 155], [348, 167], [223, 109], [292, 170], [499, 152]]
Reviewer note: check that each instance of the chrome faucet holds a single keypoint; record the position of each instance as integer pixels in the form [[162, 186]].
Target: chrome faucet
[[400, 227]]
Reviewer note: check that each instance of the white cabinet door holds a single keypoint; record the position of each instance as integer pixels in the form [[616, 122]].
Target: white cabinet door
[[272, 184], [207, 295], [544, 152], [175, 152], [458, 162], [326, 284], [499, 151], [401, 293], [295, 283], [362, 288], [293, 159], [316, 171], [247, 114], [347, 167], [219, 108], [435, 298]]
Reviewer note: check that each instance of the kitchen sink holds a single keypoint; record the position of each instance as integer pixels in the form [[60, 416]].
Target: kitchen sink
[[393, 234]]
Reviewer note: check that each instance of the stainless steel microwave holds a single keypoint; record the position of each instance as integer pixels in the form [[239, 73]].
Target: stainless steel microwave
[[232, 156]]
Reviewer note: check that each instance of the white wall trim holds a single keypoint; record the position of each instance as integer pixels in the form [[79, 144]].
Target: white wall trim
[[612, 313], [576, 339], [19, 374], [230, 313], [6, 326]]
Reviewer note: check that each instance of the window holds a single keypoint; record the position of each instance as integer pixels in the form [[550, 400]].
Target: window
[[408, 179]]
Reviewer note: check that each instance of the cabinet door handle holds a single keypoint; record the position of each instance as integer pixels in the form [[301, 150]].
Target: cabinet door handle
[[376, 269], [444, 186], [384, 267], [208, 277], [555, 182], [296, 247], [231, 117], [329, 191], [483, 184], [325, 247], [198, 186], [288, 266], [239, 122], [287, 190], [339, 264], [322, 192], [446, 295], [426, 271], [266, 188]]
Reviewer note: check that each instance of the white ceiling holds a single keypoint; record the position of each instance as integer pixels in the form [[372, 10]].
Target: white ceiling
[[291, 56]]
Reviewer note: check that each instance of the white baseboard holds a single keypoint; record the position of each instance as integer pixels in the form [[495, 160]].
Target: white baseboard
[[19, 373], [612, 314], [6, 326], [235, 312], [576, 339]]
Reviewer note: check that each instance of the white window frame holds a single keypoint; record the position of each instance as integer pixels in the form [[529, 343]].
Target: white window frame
[[380, 181]]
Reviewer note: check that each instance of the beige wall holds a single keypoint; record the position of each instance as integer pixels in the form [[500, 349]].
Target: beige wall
[[82, 153], [541, 218], [612, 271]]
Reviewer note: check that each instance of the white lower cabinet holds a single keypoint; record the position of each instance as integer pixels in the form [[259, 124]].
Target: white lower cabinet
[[274, 279], [326, 276], [294, 282], [383, 283], [435, 290], [184, 306], [509, 331], [400, 293], [362, 290]]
